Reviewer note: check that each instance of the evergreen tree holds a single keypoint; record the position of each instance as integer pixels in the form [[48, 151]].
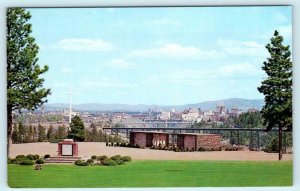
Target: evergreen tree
[[64, 131], [35, 131], [50, 133], [89, 136], [42, 133], [30, 133], [24, 85], [21, 132], [94, 133], [61, 132], [26, 135], [77, 131], [101, 136], [277, 88], [15, 135]]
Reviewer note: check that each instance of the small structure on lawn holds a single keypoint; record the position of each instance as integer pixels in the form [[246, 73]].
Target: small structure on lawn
[[149, 138], [67, 147], [181, 140]]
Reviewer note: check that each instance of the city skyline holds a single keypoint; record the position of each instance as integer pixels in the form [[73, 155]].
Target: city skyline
[[166, 56]]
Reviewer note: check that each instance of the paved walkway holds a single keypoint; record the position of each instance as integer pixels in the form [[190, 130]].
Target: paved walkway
[[87, 149]]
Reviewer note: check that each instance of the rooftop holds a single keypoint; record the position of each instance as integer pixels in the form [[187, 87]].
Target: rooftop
[[171, 133]]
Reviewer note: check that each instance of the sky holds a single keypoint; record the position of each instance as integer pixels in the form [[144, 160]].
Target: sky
[[164, 56]]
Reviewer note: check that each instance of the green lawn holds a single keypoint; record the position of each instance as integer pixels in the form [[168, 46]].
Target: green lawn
[[155, 174]]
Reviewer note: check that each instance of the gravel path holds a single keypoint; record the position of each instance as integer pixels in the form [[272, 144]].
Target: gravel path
[[86, 149]]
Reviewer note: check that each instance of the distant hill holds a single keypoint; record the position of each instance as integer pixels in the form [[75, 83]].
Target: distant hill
[[240, 103]]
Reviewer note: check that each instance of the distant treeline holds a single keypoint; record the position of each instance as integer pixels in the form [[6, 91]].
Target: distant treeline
[[29, 134]]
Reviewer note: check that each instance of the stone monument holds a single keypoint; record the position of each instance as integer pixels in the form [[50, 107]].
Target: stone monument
[[67, 147]]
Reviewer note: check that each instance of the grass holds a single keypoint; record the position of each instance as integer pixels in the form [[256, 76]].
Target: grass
[[154, 174]]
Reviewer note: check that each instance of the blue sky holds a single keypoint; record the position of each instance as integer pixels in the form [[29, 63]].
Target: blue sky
[[166, 56]]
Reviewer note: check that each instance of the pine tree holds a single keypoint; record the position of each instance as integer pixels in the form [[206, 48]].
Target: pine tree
[[15, 134], [61, 132], [30, 133], [21, 132], [77, 131], [24, 85], [35, 131], [64, 131], [42, 133], [50, 133], [26, 135], [94, 133], [277, 88], [101, 136]]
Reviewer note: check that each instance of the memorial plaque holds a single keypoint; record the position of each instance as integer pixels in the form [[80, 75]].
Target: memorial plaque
[[67, 150]]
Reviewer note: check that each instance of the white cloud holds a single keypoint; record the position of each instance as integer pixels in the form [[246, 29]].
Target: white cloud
[[242, 68], [185, 77], [242, 48], [177, 51], [84, 44], [198, 77], [166, 21], [120, 64]]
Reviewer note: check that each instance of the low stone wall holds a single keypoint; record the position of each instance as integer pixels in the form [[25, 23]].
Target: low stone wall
[[137, 138], [184, 141], [190, 141], [208, 141]]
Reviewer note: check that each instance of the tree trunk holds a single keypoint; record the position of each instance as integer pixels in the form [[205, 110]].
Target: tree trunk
[[279, 143], [9, 128]]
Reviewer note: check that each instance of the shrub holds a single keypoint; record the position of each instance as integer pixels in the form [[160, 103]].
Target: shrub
[[103, 157], [120, 162], [9, 161], [231, 148], [21, 157], [126, 159], [30, 157], [46, 156], [272, 146], [36, 157], [94, 157], [90, 161], [81, 163], [116, 157], [131, 145], [39, 161], [27, 162], [109, 162], [14, 161]]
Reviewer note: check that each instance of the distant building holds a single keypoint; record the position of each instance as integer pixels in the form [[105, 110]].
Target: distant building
[[253, 110], [191, 115], [165, 115]]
